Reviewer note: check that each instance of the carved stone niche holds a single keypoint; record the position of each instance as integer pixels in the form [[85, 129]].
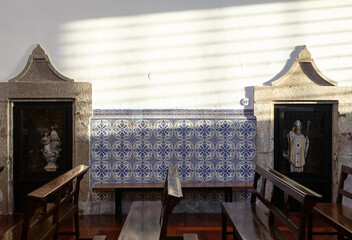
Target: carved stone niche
[[41, 82], [303, 83]]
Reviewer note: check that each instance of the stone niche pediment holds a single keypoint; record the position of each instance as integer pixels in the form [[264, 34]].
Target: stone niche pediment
[[302, 84], [39, 70], [39, 82], [303, 72]]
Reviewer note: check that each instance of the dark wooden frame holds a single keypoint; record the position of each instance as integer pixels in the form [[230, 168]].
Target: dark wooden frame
[[246, 217], [320, 133], [336, 214], [26, 182]]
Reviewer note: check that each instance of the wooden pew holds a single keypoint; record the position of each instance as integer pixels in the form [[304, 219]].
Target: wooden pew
[[147, 220], [256, 219], [49, 207], [336, 214], [119, 187]]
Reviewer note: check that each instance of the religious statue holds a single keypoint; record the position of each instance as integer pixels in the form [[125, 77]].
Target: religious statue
[[298, 145], [51, 148]]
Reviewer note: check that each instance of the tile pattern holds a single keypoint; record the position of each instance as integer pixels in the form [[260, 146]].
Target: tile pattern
[[138, 146]]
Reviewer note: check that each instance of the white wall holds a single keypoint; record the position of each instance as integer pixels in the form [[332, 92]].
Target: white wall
[[175, 54]]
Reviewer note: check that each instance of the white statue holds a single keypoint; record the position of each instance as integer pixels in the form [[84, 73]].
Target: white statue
[[298, 145], [51, 148]]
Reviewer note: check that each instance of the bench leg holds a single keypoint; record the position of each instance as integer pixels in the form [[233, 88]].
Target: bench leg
[[223, 225], [75, 217], [229, 195], [117, 203], [310, 227]]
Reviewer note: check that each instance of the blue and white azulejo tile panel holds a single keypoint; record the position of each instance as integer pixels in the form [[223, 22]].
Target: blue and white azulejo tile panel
[[138, 146]]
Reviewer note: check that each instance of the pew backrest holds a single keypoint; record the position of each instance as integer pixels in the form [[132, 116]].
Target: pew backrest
[[48, 207], [285, 191]]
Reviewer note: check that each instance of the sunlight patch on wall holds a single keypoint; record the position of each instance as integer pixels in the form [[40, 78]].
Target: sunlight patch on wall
[[203, 58]]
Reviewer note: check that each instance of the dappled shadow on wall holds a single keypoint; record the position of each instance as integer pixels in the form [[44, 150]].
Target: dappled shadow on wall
[[203, 58]]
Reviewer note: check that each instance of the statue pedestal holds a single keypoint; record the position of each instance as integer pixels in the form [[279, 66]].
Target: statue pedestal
[[51, 167]]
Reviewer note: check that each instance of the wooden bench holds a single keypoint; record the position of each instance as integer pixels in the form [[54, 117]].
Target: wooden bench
[[49, 207], [148, 220], [256, 219], [119, 187], [336, 214]]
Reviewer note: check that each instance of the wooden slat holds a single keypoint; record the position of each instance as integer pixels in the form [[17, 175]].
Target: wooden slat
[[337, 215], [113, 186], [190, 236], [148, 220], [52, 186], [299, 191], [99, 237], [345, 193], [142, 218], [251, 222], [38, 232], [42, 219]]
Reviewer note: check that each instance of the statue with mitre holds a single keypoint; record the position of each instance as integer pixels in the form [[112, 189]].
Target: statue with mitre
[[298, 145]]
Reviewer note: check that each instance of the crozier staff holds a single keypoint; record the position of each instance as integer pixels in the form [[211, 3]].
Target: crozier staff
[[298, 145]]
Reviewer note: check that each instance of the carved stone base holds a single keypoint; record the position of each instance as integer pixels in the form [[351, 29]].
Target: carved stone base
[[51, 167]]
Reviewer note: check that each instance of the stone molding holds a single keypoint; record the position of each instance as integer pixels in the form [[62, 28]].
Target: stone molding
[[39, 81], [304, 72], [303, 83]]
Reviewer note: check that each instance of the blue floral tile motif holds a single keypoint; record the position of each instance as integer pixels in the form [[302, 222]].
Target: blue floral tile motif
[[204, 150], [204, 129], [184, 129], [185, 170], [122, 171], [160, 170], [245, 129], [142, 129], [245, 150], [163, 129], [101, 171], [143, 171], [102, 196], [138, 145], [101, 150], [241, 195], [122, 150], [204, 171], [225, 129], [184, 150], [225, 171], [122, 129], [245, 170], [163, 150], [225, 150], [143, 150], [101, 129]]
